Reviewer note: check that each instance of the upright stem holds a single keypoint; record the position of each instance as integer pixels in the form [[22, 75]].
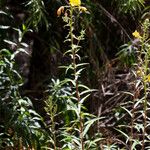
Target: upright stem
[[145, 99], [76, 78], [146, 62], [53, 130]]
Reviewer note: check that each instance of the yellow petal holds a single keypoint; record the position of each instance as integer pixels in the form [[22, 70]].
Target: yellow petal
[[136, 34], [148, 78], [139, 73], [75, 2]]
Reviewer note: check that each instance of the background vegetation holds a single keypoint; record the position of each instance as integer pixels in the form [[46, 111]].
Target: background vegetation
[[74, 77]]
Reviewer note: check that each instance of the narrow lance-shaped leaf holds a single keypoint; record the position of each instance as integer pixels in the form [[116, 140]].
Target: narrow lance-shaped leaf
[[127, 111], [88, 124]]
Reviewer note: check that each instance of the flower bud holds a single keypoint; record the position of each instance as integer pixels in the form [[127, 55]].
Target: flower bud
[[60, 10]]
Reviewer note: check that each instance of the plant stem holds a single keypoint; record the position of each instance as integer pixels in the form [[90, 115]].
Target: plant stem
[[76, 78], [146, 62], [145, 99]]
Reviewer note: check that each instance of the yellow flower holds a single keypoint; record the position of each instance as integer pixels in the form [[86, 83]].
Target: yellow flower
[[136, 34], [75, 2], [139, 73], [147, 78]]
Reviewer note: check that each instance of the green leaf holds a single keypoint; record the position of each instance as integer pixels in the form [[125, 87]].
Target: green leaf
[[84, 98], [85, 92], [4, 27], [5, 51], [10, 42], [24, 28], [138, 102], [83, 64], [127, 111], [124, 134], [135, 143], [2, 12], [88, 124], [83, 86], [75, 46]]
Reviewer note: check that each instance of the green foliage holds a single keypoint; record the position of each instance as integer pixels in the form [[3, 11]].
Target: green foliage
[[38, 14], [127, 53], [74, 133], [137, 110], [131, 6], [70, 124], [19, 122], [20, 125]]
